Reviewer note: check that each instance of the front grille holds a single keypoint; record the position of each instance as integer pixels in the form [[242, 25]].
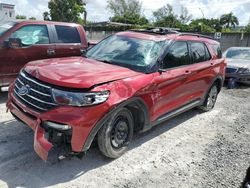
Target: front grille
[[38, 98], [231, 70]]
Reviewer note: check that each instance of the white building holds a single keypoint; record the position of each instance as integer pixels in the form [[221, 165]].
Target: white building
[[7, 11]]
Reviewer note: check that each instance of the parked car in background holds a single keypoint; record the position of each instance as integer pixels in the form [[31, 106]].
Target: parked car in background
[[127, 83], [238, 64], [24, 41]]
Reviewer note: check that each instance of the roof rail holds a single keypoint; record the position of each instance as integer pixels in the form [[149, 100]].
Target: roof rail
[[159, 30], [196, 34], [166, 31]]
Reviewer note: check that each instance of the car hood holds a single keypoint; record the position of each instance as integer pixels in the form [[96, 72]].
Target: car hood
[[238, 63], [77, 72]]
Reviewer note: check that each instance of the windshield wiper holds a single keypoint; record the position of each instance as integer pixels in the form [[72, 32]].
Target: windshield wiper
[[105, 61]]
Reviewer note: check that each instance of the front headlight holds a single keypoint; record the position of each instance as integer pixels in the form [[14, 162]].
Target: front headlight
[[79, 99]]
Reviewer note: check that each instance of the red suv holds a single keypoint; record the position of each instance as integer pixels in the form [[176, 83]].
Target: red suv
[[25, 41], [127, 83]]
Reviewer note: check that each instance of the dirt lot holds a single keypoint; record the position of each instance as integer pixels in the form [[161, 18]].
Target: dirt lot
[[192, 150]]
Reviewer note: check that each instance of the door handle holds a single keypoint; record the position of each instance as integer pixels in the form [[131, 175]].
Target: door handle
[[211, 64], [187, 72], [51, 52]]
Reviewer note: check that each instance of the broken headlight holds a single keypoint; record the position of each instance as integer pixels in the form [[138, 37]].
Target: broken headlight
[[79, 99]]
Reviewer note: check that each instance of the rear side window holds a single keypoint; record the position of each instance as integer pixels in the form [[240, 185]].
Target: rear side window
[[178, 55], [200, 52], [67, 34], [217, 50]]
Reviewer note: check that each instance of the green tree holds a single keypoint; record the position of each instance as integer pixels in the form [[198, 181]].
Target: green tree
[[229, 20], [46, 16], [65, 10], [32, 18], [127, 11], [134, 19], [185, 17], [247, 28], [165, 17], [200, 27], [205, 25], [163, 12], [21, 17]]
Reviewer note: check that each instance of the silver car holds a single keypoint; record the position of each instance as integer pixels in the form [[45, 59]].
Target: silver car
[[238, 64]]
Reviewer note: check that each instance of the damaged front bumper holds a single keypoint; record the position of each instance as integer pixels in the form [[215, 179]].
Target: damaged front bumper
[[41, 145], [68, 124]]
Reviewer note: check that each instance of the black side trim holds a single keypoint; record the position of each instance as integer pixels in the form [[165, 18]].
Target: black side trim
[[135, 100], [177, 111]]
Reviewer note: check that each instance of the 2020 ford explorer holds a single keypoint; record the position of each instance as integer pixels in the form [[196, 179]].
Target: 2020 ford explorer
[[127, 83]]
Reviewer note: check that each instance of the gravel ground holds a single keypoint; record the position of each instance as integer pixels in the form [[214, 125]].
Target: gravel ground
[[192, 150]]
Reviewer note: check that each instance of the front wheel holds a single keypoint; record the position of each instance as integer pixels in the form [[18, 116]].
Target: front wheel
[[116, 134], [210, 99]]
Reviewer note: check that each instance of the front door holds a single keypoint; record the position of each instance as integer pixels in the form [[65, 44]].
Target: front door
[[172, 91]]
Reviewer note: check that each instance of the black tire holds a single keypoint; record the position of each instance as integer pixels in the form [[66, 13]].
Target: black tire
[[210, 100], [116, 134]]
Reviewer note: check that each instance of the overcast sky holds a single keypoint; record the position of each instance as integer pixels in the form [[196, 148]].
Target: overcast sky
[[97, 10]]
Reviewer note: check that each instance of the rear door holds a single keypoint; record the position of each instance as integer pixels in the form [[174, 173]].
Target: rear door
[[200, 71], [36, 43], [172, 91], [68, 41]]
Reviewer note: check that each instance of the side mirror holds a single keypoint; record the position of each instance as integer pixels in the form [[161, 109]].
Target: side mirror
[[160, 65], [13, 43], [160, 70], [92, 43], [83, 52]]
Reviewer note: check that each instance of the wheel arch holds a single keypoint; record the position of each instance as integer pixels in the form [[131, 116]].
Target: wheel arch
[[219, 82], [136, 105]]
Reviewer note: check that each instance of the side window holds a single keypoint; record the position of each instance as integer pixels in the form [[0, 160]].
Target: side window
[[198, 52], [217, 50], [67, 34], [178, 55], [32, 34]]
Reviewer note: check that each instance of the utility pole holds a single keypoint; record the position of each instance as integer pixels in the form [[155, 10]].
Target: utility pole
[[203, 17], [84, 2]]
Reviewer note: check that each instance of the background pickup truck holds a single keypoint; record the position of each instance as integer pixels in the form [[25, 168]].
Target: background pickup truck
[[25, 41]]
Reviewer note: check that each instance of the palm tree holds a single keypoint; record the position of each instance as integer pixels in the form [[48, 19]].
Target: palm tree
[[229, 20]]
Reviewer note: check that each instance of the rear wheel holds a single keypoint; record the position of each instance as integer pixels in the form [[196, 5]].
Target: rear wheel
[[210, 99], [116, 134]]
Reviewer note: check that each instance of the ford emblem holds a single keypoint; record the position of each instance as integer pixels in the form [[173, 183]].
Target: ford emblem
[[24, 90]]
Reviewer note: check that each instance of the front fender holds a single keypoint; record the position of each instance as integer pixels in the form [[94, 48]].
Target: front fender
[[100, 123]]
